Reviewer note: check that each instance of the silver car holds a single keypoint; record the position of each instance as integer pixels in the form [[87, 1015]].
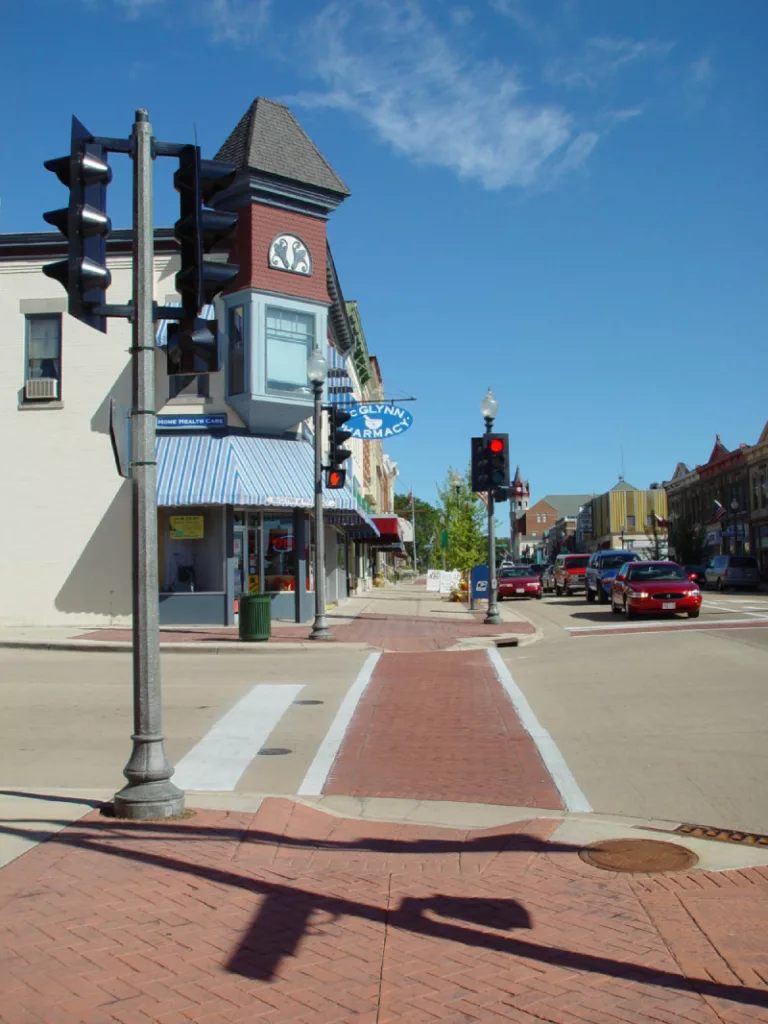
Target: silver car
[[732, 571]]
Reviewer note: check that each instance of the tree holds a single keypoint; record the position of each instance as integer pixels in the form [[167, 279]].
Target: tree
[[463, 515], [427, 519], [685, 537]]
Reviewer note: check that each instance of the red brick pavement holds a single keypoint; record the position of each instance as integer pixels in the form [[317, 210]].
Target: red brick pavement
[[439, 726], [290, 915], [392, 633]]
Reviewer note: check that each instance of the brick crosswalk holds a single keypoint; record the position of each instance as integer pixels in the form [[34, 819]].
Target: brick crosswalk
[[291, 915], [438, 726]]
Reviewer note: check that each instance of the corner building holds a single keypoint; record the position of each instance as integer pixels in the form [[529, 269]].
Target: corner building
[[234, 448]]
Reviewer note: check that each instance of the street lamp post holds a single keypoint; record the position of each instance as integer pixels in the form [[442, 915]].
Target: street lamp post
[[456, 479], [734, 506], [489, 407], [317, 371]]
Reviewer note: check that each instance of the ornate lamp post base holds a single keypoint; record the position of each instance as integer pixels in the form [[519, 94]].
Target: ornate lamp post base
[[150, 794]]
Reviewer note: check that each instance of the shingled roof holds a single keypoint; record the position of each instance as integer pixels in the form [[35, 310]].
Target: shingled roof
[[268, 138]]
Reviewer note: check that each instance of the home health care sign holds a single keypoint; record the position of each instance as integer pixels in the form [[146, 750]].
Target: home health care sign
[[375, 421]]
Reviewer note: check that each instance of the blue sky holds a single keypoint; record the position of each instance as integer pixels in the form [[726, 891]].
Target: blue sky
[[564, 199]]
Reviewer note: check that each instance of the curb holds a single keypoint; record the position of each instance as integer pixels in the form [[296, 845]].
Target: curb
[[234, 647]]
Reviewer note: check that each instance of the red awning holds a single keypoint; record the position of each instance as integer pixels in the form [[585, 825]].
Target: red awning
[[389, 529]]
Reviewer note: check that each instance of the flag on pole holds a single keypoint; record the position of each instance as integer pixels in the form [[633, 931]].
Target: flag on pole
[[719, 513], [663, 523], [483, 496]]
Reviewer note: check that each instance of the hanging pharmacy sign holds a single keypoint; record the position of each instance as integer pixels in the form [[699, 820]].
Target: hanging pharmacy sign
[[375, 421]]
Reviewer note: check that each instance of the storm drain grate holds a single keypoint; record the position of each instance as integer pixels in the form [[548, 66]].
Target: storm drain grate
[[646, 856], [722, 835]]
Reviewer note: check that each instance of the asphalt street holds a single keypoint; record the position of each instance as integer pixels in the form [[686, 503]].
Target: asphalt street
[[657, 718], [660, 717]]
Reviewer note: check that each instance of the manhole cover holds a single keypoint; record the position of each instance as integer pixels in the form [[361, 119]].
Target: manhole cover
[[275, 750], [308, 702], [638, 855]]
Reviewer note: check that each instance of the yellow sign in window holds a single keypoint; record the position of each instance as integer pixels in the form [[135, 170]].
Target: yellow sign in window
[[186, 527]]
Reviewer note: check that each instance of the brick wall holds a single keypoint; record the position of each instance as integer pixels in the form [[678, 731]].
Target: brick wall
[[532, 524], [256, 227]]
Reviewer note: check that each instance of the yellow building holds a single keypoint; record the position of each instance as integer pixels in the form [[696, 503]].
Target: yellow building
[[624, 517]]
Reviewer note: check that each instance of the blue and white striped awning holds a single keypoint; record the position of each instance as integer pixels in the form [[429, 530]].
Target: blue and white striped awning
[[161, 337], [199, 469]]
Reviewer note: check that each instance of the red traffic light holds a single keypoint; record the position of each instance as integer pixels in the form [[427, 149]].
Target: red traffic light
[[496, 445]]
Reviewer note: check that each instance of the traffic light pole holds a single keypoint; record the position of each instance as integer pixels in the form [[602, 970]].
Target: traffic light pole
[[320, 629], [492, 617], [150, 792]]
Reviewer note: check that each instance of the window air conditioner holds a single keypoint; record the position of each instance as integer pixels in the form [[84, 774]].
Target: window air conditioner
[[41, 387]]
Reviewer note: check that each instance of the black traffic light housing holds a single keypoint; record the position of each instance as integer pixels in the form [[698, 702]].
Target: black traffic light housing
[[490, 465], [193, 347], [335, 476], [85, 224], [200, 231], [497, 447]]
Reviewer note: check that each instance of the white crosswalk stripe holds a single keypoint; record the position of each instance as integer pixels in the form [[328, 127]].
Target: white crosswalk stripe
[[221, 757]]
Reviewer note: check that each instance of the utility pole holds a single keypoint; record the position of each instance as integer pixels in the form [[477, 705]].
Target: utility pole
[[150, 792]]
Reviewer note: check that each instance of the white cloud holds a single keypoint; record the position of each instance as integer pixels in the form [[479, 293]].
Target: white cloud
[[461, 16], [700, 80], [401, 76], [236, 21], [134, 8], [231, 21], [601, 58]]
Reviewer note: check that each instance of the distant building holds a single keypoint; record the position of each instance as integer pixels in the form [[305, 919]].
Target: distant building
[[630, 519], [540, 520], [737, 481]]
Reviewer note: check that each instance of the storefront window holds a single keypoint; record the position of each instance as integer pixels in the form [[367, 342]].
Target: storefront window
[[279, 555], [191, 549], [763, 487]]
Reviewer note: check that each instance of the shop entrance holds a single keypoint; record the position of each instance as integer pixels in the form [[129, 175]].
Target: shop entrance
[[249, 571]]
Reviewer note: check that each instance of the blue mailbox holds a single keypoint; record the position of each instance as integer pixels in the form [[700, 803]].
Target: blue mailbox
[[478, 584]]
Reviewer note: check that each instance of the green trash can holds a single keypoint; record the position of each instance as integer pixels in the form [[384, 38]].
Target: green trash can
[[255, 617]]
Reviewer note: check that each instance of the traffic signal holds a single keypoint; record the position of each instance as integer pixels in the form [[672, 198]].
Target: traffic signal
[[490, 465], [192, 347], [479, 466], [199, 230], [335, 476], [497, 448], [85, 225]]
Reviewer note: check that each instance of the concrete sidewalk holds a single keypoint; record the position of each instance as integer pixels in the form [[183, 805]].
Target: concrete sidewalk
[[401, 618], [292, 914]]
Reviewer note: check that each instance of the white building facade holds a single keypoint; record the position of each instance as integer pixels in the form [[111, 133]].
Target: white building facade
[[234, 447]]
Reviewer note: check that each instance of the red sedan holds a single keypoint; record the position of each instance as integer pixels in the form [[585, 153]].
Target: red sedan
[[654, 587], [518, 581]]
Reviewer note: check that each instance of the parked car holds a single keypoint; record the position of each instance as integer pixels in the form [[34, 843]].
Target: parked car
[[548, 579], [654, 587], [518, 581], [733, 571], [697, 573], [601, 569], [569, 573]]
